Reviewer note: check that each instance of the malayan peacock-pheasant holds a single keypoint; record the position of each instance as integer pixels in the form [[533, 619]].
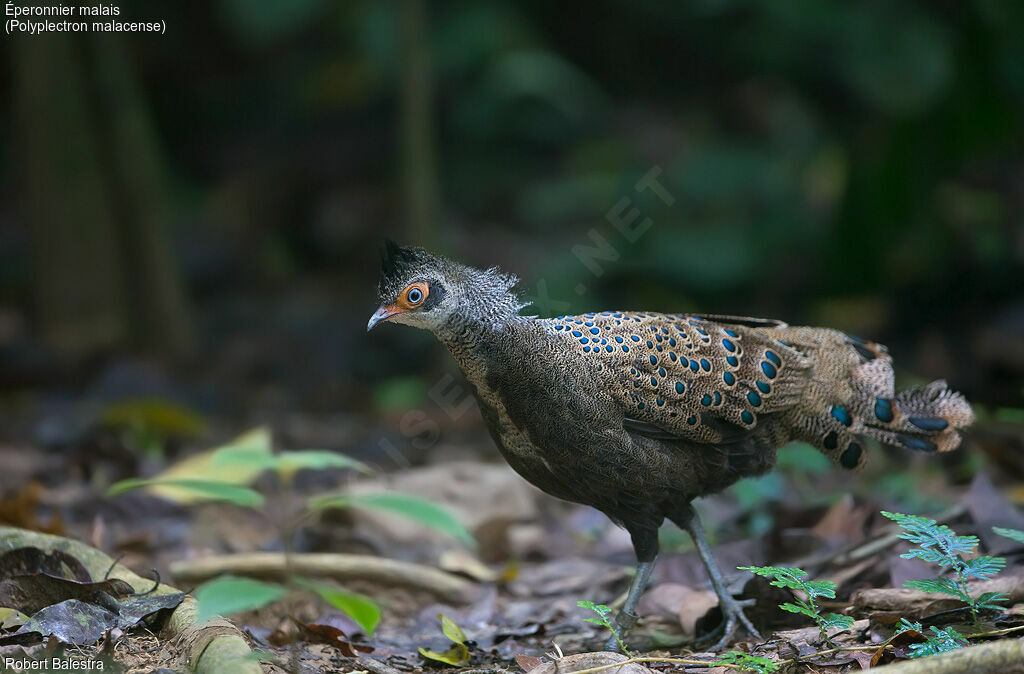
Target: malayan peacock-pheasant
[[638, 413]]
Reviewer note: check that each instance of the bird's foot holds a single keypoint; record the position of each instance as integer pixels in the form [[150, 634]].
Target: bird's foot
[[623, 623], [733, 621]]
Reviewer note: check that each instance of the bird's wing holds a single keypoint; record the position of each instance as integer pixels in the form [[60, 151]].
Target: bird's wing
[[686, 376]]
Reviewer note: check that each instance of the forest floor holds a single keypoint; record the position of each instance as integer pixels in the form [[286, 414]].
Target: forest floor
[[510, 594]]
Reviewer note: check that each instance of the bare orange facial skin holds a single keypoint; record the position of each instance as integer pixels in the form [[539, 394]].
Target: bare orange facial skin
[[414, 295]]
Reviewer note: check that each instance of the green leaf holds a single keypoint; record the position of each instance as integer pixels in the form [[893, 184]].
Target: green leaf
[[820, 588], [230, 594], [317, 459], [11, 618], [939, 641], [747, 663], [412, 507], [799, 608], [929, 534], [783, 576], [599, 609], [1012, 534], [205, 489], [936, 585], [451, 629], [360, 608], [257, 444], [983, 567], [251, 456], [836, 620], [992, 600], [456, 656]]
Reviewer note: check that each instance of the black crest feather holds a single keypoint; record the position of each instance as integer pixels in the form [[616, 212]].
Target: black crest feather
[[396, 261], [395, 266]]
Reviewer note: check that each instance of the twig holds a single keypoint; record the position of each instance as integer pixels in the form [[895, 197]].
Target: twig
[[674, 661], [712, 663], [338, 566], [376, 666], [994, 633]]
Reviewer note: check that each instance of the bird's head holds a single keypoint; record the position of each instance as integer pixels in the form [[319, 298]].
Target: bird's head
[[427, 291]]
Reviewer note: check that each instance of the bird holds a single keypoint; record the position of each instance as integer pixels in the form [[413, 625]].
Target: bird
[[639, 413]]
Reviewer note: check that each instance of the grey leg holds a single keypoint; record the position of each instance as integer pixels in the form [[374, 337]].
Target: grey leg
[[626, 618], [732, 611]]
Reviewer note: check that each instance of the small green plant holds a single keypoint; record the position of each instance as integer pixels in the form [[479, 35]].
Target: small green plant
[[604, 619], [225, 475], [1013, 534], [796, 579], [747, 663], [458, 654], [939, 641], [941, 545]]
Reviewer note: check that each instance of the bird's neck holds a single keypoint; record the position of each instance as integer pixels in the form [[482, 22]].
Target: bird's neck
[[473, 338]]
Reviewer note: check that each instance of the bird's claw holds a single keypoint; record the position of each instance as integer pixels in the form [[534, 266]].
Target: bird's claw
[[733, 619]]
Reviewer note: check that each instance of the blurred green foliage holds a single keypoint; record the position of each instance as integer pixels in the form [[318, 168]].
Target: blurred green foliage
[[850, 163]]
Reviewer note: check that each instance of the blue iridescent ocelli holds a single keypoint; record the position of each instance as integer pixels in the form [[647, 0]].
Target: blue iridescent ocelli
[[840, 414], [883, 409]]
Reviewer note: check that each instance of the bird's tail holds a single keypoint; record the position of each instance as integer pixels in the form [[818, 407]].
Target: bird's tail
[[851, 396]]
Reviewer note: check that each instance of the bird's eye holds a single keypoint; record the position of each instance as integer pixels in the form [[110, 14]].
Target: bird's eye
[[415, 296]]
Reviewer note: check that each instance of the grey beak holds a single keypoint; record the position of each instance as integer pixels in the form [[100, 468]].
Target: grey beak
[[382, 314]]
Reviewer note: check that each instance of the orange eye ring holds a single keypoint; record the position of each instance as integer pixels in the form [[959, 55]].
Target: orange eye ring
[[414, 295]]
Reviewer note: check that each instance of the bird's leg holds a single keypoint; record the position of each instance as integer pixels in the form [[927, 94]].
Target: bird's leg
[[645, 544], [732, 611], [626, 618]]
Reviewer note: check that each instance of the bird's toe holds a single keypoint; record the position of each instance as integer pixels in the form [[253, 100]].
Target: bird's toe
[[734, 621]]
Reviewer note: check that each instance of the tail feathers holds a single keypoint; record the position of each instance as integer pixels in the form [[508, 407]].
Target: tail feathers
[[923, 418]]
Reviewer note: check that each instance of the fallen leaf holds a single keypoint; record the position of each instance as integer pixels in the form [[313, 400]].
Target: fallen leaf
[[30, 594], [456, 656], [72, 622], [10, 618], [29, 560], [899, 642], [528, 662], [318, 633], [844, 522], [134, 609], [451, 629]]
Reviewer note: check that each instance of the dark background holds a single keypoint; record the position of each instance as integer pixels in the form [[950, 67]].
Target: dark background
[[194, 218]]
